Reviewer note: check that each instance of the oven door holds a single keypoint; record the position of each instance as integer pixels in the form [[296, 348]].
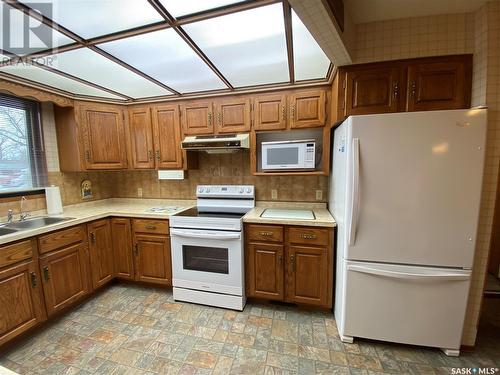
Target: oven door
[[283, 156], [207, 260]]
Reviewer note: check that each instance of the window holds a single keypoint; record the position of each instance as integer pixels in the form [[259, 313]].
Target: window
[[22, 155]]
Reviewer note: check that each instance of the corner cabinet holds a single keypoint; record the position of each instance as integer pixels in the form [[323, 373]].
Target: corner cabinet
[[101, 252], [422, 84], [91, 137], [289, 263], [121, 232]]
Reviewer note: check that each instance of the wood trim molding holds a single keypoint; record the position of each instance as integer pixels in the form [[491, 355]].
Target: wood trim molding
[[33, 93]]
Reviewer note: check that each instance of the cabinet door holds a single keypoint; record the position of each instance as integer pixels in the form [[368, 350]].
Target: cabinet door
[[141, 138], [104, 138], [270, 112], [101, 252], [265, 271], [233, 116], [307, 275], [439, 85], [65, 276], [197, 118], [372, 90], [122, 248], [21, 300], [152, 259], [307, 109], [167, 136]]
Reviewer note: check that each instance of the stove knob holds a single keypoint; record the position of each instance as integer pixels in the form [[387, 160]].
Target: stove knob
[[208, 190], [249, 190], [200, 190], [241, 190]]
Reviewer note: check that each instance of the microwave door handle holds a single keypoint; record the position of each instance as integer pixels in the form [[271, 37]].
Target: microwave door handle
[[204, 235], [355, 192]]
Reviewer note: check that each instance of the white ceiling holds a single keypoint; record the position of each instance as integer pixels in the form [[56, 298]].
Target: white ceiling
[[363, 11]]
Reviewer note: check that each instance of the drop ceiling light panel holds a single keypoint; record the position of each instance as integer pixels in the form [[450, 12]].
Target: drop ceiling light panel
[[164, 56], [310, 61], [91, 18], [179, 8], [15, 35], [47, 78], [93, 67], [248, 47]]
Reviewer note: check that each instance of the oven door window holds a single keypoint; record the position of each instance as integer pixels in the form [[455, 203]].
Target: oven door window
[[205, 259]]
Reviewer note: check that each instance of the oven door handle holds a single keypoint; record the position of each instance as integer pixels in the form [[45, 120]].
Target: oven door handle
[[204, 235]]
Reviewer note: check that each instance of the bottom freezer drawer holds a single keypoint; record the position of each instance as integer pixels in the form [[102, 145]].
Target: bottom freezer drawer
[[406, 304]]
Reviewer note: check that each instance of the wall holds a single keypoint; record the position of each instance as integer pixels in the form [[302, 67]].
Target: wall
[[476, 33]]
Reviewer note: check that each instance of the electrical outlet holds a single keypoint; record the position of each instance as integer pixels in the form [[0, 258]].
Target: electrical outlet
[[274, 194], [139, 192], [319, 195]]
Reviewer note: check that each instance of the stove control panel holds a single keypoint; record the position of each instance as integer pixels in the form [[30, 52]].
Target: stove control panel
[[225, 191]]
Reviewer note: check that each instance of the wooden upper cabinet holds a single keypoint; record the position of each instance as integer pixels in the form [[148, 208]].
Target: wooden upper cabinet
[[167, 136], [121, 234], [233, 116], [270, 112], [307, 275], [307, 109], [372, 91], [65, 276], [197, 118], [265, 271], [141, 138], [101, 252], [436, 85], [21, 300], [103, 137]]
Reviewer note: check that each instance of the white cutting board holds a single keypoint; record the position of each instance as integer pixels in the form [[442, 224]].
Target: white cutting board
[[280, 213]]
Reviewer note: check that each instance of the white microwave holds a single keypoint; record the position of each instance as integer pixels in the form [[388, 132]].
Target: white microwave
[[288, 155]]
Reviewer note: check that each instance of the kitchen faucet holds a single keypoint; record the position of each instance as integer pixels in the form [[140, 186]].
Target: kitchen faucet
[[23, 215]]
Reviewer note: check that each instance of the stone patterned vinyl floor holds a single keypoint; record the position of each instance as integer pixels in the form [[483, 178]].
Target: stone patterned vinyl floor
[[137, 330]]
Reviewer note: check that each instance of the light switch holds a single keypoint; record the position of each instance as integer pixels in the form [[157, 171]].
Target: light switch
[[139, 192], [319, 195]]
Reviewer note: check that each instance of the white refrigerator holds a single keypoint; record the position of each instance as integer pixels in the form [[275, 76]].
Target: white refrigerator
[[405, 192]]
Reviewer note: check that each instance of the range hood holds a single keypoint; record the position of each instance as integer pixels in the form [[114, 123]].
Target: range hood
[[216, 144]]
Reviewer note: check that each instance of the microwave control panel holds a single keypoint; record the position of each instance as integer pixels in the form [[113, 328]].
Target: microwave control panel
[[310, 153]]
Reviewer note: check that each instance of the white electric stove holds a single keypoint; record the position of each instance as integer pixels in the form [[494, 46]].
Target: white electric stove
[[207, 247]]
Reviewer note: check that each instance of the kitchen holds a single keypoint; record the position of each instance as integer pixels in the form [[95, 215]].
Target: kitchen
[[199, 230]]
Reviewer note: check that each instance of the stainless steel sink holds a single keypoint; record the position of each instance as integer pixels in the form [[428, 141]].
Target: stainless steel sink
[[4, 231], [36, 222]]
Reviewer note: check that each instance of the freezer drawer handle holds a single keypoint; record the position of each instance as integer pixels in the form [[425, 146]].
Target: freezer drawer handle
[[409, 275], [355, 192]]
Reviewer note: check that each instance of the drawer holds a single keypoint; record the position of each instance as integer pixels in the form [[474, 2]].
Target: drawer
[[265, 233], [309, 236], [62, 238], [10, 254], [150, 226]]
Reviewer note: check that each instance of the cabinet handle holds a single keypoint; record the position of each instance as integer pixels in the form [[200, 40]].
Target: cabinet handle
[[33, 279], [280, 259], [413, 88], [283, 112], [266, 234], [46, 274], [158, 155], [136, 250], [151, 227], [396, 90], [92, 238], [293, 112], [87, 155], [210, 118], [150, 155], [219, 118], [307, 236], [292, 262]]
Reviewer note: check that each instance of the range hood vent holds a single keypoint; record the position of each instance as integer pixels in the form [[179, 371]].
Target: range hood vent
[[216, 144]]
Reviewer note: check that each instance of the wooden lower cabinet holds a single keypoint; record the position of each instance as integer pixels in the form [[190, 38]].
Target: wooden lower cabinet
[[122, 248], [65, 276], [265, 273], [21, 300], [101, 252], [152, 261], [298, 269]]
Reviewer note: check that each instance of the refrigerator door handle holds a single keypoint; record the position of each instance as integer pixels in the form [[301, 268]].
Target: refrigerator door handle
[[436, 276], [355, 192]]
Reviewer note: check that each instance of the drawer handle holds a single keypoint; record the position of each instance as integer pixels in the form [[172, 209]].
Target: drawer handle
[[46, 274], [307, 236], [150, 227], [33, 279], [266, 234]]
